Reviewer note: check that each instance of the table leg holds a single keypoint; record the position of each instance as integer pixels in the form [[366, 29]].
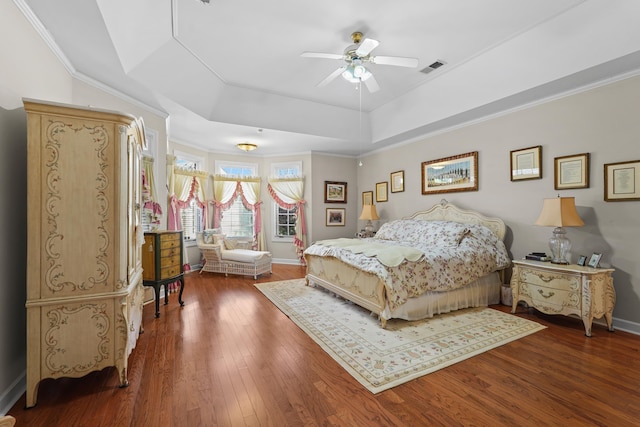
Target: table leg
[[181, 289]]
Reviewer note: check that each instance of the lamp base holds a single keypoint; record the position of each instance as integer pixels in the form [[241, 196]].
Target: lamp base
[[559, 245]]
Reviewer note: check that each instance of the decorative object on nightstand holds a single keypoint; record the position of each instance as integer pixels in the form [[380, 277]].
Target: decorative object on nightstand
[[565, 289], [559, 213], [369, 214]]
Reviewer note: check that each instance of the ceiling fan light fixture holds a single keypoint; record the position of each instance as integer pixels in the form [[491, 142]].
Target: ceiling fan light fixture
[[247, 146], [356, 73]]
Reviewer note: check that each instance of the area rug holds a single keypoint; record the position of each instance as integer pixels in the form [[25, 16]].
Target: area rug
[[384, 358]]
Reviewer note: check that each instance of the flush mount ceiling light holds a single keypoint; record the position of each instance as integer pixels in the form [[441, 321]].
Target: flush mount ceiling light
[[246, 146]]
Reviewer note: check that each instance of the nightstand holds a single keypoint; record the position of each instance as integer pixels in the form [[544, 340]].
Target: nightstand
[[565, 289]]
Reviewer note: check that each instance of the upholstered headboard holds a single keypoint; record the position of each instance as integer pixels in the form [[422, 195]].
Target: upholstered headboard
[[445, 211]]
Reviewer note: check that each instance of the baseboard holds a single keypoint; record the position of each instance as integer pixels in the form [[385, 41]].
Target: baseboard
[[625, 325], [286, 261], [13, 393]]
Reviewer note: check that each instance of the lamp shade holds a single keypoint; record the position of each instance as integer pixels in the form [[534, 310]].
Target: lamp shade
[[559, 212], [369, 213]]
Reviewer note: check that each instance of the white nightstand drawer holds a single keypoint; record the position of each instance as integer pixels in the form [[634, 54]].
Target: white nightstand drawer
[[557, 299], [550, 279]]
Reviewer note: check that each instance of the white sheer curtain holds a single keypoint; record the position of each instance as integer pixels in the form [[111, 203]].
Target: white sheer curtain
[[184, 185], [288, 193], [225, 191], [150, 205]]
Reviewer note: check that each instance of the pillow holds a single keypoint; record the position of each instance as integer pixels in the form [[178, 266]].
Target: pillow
[[436, 233], [230, 244]]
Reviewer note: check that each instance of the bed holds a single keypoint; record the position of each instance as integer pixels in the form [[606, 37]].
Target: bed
[[434, 261]]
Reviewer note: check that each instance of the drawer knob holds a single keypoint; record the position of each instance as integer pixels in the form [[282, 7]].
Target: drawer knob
[[549, 295]]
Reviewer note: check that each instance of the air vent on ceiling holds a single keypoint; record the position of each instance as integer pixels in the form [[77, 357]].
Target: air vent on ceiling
[[432, 67]]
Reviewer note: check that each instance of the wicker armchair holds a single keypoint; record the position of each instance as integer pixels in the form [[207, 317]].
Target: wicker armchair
[[246, 262]]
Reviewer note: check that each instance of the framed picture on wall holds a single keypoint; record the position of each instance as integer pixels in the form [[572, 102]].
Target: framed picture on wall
[[335, 217], [622, 181], [450, 174], [525, 163], [571, 171], [381, 191], [335, 192], [397, 182], [367, 198]]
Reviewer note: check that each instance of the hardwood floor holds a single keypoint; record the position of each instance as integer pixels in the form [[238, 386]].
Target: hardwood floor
[[229, 357]]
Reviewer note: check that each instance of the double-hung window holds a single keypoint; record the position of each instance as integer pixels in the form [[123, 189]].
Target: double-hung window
[[191, 216], [284, 220], [237, 221]]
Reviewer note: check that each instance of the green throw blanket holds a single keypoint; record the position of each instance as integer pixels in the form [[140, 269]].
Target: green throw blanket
[[389, 255]]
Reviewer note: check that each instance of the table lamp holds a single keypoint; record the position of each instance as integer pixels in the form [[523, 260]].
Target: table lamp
[[559, 213], [369, 214]]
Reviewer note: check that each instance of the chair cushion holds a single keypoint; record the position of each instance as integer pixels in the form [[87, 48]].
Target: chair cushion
[[243, 255]]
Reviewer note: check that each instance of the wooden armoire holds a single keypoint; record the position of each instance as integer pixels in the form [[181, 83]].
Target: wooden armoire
[[84, 271]]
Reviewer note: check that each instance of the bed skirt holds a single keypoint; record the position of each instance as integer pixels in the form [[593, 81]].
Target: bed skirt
[[368, 291]]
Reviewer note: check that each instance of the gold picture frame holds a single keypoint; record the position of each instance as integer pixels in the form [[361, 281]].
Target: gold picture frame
[[571, 171], [335, 217], [367, 198], [622, 181], [381, 191], [397, 181], [450, 174], [526, 164]]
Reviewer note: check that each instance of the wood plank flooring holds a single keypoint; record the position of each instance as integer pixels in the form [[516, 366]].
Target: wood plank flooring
[[229, 357]]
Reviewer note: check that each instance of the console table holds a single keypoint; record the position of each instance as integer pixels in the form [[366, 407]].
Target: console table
[[565, 289], [162, 263]]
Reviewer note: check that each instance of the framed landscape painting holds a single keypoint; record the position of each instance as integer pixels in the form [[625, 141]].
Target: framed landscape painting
[[335, 192], [450, 174]]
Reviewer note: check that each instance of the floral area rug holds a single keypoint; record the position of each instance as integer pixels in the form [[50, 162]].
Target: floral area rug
[[384, 358]]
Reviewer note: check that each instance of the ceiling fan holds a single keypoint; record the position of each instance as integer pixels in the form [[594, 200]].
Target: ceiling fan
[[355, 56]]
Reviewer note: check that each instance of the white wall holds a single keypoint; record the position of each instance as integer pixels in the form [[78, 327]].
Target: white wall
[[25, 56], [602, 121]]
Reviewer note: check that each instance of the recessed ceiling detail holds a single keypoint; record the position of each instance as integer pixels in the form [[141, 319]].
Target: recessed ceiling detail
[[229, 66]]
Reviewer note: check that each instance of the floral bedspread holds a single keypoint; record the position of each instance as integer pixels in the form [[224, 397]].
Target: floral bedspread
[[454, 255]]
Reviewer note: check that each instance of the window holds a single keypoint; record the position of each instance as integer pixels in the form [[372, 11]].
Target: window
[[284, 224], [191, 219], [237, 221], [191, 216]]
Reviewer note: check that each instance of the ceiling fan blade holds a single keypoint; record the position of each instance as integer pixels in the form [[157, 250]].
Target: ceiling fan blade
[[366, 46], [372, 84], [331, 76], [321, 55], [395, 60]]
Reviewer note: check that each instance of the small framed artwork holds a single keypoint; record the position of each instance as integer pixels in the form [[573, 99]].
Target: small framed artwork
[[381, 191], [450, 174], [571, 171], [335, 192], [397, 182], [367, 198], [335, 216], [595, 260], [525, 163], [582, 261], [622, 181]]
